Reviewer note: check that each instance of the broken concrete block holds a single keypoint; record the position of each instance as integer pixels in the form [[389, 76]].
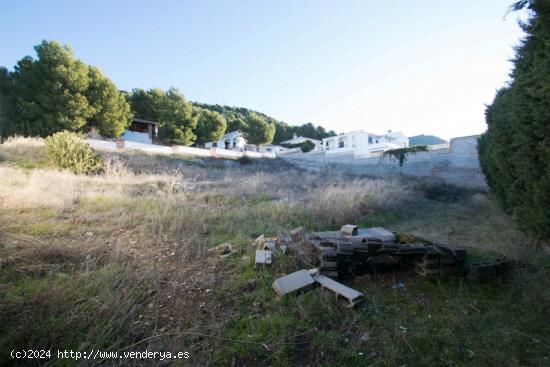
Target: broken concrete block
[[458, 253], [351, 295], [330, 273], [349, 230], [378, 233], [298, 234], [299, 280], [313, 271], [263, 257], [270, 244]]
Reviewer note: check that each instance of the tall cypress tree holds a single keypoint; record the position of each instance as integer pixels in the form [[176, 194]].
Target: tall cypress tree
[[515, 150]]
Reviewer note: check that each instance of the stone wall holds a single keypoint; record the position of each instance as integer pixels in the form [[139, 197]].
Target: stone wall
[[457, 165]]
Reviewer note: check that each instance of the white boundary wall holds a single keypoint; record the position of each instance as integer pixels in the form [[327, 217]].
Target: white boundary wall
[[458, 164], [174, 149]]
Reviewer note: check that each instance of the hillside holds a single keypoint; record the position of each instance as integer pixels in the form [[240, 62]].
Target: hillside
[[425, 140], [121, 262]]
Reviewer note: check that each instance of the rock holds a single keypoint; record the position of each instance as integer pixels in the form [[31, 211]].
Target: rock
[[299, 280], [365, 337], [223, 250], [399, 285]]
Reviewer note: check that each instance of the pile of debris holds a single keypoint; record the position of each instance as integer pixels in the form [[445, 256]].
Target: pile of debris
[[353, 251]]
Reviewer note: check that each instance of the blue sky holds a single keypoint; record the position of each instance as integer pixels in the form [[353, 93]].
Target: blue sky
[[414, 66]]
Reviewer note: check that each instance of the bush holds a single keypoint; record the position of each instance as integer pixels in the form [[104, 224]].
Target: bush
[[305, 146], [67, 150]]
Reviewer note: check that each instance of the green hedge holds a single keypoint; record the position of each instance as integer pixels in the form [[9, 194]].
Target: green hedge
[[515, 151]]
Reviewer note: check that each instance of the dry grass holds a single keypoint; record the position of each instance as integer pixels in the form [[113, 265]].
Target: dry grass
[[24, 152]]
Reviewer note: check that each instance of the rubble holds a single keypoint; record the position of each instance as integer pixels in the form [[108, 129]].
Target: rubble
[[378, 233], [349, 230], [305, 280], [354, 251], [482, 271], [224, 250], [351, 295], [299, 280], [263, 257], [269, 244], [298, 234]]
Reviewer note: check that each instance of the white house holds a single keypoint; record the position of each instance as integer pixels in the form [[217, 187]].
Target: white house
[[232, 141], [364, 143], [141, 131], [301, 139]]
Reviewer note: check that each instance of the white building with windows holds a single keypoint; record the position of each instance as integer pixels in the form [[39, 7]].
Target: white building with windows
[[232, 141], [364, 143]]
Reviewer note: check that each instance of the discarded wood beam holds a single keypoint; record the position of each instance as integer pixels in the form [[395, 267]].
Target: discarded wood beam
[[351, 295], [293, 282]]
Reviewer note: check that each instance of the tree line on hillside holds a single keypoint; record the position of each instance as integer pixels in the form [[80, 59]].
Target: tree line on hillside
[[238, 118], [56, 92], [515, 151]]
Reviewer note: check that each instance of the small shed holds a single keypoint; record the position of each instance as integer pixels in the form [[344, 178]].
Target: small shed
[[142, 131]]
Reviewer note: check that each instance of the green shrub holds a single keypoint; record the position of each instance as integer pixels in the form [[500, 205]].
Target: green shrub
[[67, 150], [305, 146]]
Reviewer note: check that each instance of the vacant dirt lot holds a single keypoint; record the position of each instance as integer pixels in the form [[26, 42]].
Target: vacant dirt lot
[[119, 262]]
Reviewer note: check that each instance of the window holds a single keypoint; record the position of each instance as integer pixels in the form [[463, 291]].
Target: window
[[370, 139], [341, 143]]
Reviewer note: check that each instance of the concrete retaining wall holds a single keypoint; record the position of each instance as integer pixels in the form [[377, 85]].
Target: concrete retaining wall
[[174, 149], [457, 165]]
